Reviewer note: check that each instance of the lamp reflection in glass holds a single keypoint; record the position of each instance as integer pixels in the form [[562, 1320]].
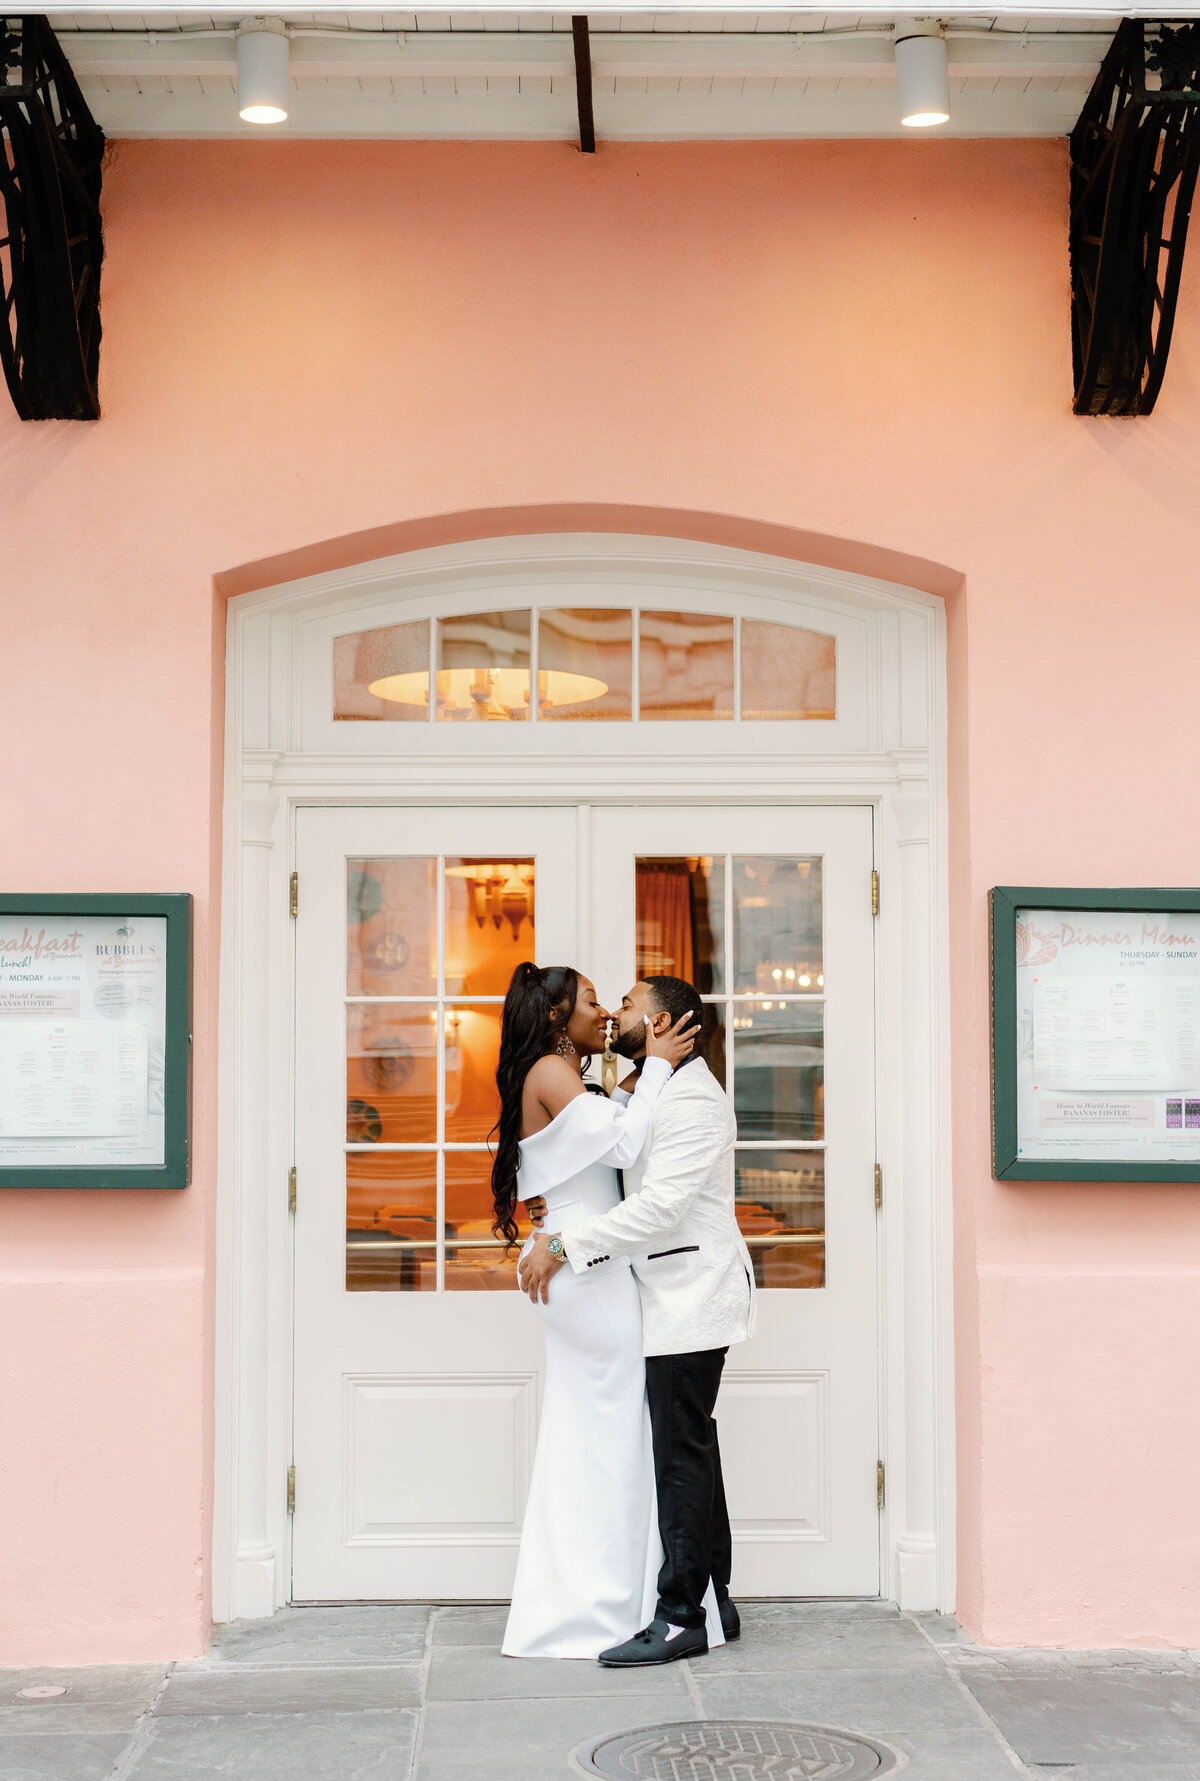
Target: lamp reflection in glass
[[488, 694], [503, 892]]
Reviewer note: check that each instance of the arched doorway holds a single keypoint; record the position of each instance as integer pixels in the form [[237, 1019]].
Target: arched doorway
[[617, 750]]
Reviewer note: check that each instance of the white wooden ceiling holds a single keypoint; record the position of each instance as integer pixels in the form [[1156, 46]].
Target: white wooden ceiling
[[670, 74]]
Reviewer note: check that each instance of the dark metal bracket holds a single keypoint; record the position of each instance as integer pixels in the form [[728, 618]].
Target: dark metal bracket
[[1135, 153], [50, 153], [583, 82]]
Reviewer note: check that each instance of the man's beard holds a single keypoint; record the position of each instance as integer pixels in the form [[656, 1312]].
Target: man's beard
[[632, 1042]]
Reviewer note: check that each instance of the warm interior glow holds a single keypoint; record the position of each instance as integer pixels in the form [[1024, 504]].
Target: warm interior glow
[[492, 692], [262, 114], [920, 120]]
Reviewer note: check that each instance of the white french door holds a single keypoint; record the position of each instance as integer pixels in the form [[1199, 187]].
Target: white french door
[[417, 1366], [416, 1381], [768, 912]]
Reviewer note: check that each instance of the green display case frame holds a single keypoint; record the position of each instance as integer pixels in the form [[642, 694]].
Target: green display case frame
[[175, 1169], [1003, 903]]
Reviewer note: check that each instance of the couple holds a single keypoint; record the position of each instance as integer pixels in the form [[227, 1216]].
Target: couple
[[641, 1284]]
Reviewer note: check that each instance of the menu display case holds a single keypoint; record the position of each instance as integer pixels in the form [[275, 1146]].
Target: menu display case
[[1095, 1034], [95, 1040]]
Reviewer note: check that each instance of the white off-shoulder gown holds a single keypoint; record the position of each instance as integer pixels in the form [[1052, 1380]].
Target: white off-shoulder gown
[[590, 1551]]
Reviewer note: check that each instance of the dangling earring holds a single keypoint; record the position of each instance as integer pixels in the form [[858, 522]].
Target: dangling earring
[[564, 1048], [609, 1066]]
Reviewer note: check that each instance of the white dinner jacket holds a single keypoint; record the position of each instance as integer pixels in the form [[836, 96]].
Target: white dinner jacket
[[677, 1223]]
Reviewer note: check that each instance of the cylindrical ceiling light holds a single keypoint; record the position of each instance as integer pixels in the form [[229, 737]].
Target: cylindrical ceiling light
[[262, 71], [922, 74]]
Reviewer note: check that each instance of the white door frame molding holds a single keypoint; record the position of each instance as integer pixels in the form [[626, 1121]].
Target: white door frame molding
[[892, 757]]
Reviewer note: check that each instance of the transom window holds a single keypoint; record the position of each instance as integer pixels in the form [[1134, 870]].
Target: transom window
[[583, 665]]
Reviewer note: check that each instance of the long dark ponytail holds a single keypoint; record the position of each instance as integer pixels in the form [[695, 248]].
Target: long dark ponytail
[[538, 1005]]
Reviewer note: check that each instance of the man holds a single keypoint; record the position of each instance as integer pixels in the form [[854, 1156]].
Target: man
[[678, 1227]]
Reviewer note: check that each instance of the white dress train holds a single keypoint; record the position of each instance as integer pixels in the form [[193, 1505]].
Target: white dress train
[[590, 1551]]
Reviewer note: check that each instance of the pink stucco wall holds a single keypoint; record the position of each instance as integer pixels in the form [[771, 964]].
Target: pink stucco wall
[[866, 342]]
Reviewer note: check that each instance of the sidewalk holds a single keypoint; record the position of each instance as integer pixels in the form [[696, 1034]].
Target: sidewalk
[[419, 1694]]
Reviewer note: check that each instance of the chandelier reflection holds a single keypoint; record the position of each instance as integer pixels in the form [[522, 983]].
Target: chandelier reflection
[[491, 694], [499, 893]]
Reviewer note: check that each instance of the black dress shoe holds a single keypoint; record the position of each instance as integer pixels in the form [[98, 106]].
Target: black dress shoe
[[731, 1622], [658, 1643]]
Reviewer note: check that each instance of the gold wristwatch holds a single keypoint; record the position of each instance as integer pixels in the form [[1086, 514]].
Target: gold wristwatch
[[555, 1246]]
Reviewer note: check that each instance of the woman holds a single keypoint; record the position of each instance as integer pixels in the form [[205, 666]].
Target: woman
[[589, 1549]]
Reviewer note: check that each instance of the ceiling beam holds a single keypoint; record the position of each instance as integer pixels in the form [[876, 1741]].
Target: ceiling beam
[[583, 83], [552, 116], [622, 55]]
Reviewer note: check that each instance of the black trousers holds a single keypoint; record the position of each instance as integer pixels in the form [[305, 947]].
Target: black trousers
[[692, 1517]]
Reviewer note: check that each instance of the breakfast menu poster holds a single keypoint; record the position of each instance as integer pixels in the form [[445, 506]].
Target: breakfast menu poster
[[1108, 1035], [82, 1040]]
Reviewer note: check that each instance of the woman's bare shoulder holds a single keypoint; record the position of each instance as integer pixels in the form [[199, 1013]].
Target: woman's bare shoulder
[[554, 1082]]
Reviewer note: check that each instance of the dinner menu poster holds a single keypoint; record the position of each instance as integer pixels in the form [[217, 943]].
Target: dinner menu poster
[[82, 1040], [1108, 1035]]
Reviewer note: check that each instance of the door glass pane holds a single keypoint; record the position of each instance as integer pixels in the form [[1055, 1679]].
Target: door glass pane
[[391, 1221], [787, 672], [714, 1040], [475, 1262], [483, 668], [585, 665], [685, 665], [423, 1071], [779, 1069], [681, 920], [391, 1073], [472, 1053], [489, 923], [391, 927], [777, 925], [382, 676], [781, 1211]]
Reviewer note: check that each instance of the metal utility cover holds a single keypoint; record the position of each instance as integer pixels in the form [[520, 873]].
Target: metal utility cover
[[703, 1749]]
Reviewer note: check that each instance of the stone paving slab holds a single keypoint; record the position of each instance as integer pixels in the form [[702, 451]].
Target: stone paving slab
[[370, 1635], [54, 1757], [137, 1683], [470, 1626], [1121, 1771], [471, 1741], [877, 1702], [257, 1689], [462, 1673], [363, 1746], [941, 1629], [1077, 1716], [1047, 1663], [956, 1756], [66, 1718], [822, 1645]]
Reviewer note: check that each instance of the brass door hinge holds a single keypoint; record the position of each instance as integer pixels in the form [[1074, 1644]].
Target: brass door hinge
[[874, 894], [291, 1490], [292, 1188], [878, 1187], [879, 1484], [294, 897]]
